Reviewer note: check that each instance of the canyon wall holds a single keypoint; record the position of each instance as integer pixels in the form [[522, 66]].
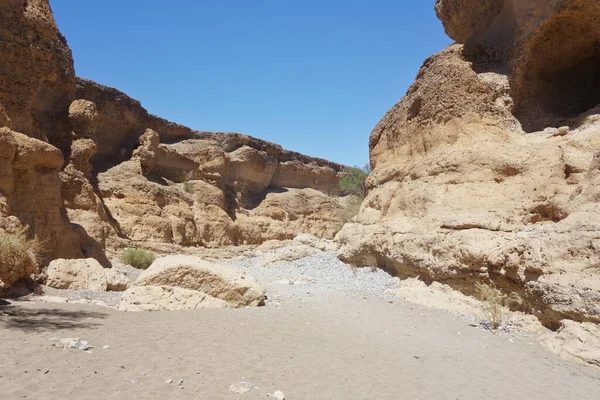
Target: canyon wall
[[85, 168], [487, 169]]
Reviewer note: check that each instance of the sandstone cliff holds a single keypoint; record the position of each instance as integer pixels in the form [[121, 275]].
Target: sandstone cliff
[[85, 167], [487, 169]]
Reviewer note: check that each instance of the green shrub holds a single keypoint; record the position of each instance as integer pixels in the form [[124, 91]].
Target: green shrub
[[353, 182], [137, 258]]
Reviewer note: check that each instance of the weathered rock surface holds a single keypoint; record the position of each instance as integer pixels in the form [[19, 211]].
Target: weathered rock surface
[[30, 191], [188, 193], [79, 274], [459, 191], [85, 274], [116, 281], [575, 341], [547, 48], [37, 83], [187, 282]]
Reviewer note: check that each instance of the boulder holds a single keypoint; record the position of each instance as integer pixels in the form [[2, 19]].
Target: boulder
[[116, 281], [187, 282], [78, 274], [167, 298], [579, 342]]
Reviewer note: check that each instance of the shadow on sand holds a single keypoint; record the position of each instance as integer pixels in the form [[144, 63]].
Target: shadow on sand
[[27, 319]]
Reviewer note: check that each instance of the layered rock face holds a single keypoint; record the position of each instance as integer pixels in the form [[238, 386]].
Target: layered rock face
[[162, 182], [37, 84], [487, 170], [87, 168]]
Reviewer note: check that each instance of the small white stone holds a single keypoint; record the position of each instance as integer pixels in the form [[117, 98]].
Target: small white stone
[[169, 381], [240, 388], [278, 395]]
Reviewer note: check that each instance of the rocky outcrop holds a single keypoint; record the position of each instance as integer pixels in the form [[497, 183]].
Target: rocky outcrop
[[37, 83], [548, 49], [122, 120], [30, 191], [481, 174], [187, 282], [195, 192]]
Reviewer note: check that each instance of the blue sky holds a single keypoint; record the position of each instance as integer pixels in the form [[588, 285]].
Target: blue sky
[[312, 75]]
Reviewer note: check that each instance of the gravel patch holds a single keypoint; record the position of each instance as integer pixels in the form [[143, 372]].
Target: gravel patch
[[111, 299], [320, 274]]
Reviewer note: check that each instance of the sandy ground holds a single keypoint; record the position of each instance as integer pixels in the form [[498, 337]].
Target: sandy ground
[[333, 346]]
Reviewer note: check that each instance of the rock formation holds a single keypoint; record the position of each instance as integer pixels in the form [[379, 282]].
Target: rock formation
[[85, 274], [487, 169], [187, 282], [37, 83], [86, 168]]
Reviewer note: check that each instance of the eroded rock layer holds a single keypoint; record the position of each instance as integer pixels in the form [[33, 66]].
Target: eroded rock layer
[[487, 169]]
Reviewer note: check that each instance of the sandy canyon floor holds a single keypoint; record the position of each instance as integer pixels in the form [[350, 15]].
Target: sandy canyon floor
[[311, 341]]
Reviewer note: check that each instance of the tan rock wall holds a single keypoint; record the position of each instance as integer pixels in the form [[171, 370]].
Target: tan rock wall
[[37, 83], [460, 193]]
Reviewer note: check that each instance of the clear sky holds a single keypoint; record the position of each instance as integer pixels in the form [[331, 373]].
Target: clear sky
[[312, 75]]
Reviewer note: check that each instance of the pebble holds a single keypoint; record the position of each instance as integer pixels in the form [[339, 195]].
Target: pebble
[[106, 347], [278, 395], [169, 381]]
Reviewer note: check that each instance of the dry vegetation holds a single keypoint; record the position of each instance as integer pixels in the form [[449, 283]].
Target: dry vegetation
[[19, 255], [496, 302]]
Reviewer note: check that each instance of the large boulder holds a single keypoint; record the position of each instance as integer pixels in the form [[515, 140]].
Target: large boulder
[[187, 282], [79, 274], [85, 274]]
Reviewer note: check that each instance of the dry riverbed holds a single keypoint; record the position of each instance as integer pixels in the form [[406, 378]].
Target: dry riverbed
[[327, 332]]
